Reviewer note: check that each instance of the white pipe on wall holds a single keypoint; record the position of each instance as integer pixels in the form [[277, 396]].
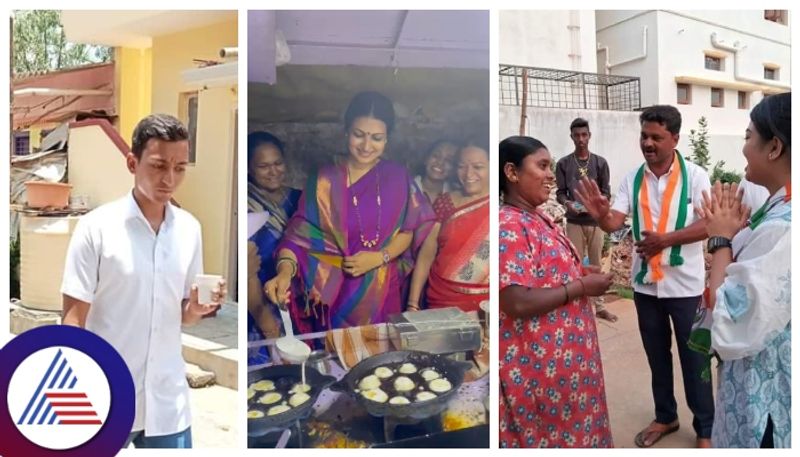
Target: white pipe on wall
[[735, 49], [609, 65]]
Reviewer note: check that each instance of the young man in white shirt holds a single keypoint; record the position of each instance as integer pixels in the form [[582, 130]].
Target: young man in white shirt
[[129, 276], [668, 273]]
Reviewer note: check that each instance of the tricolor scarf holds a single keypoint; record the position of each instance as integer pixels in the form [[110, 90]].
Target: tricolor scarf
[[672, 218], [757, 218]]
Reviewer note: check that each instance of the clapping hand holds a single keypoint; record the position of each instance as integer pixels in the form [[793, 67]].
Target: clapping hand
[[723, 211]]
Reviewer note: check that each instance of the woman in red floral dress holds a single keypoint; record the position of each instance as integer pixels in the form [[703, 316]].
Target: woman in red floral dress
[[551, 376]]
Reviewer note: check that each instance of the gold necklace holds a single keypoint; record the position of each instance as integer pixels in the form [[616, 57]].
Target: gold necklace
[[365, 242], [583, 171]]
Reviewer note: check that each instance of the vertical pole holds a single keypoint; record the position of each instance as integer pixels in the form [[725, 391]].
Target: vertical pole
[[583, 88], [11, 89], [524, 109]]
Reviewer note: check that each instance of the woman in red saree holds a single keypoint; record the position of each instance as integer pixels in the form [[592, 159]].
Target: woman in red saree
[[455, 257], [349, 248]]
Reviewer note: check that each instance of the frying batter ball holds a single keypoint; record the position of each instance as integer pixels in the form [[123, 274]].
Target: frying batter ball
[[270, 398], [384, 372], [429, 374], [403, 384], [298, 399], [255, 414], [278, 409], [399, 401], [369, 382], [263, 386], [250, 394], [300, 388], [440, 385], [407, 368], [424, 396], [376, 395]]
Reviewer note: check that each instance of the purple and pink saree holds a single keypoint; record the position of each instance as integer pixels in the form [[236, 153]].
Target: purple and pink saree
[[326, 228]]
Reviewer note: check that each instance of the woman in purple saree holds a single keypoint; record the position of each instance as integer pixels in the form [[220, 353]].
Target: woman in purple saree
[[348, 250]]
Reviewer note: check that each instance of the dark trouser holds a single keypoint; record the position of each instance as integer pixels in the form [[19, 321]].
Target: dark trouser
[[654, 315], [768, 441]]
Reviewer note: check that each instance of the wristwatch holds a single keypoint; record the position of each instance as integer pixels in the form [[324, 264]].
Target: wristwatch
[[385, 256], [718, 242]]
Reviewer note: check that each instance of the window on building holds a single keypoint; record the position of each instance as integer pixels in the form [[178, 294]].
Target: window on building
[[22, 143], [777, 16], [744, 100], [714, 63], [717, 97], [187, 112], [684, 94], [771, 73]]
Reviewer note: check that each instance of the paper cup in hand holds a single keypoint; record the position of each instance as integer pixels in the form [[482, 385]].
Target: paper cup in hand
[[205, 284]]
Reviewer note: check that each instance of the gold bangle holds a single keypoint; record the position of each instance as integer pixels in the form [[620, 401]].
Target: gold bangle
[[291, 261]]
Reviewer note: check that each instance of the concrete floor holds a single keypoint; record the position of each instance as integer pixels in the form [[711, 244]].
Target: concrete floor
[[627, 376], [215, 413], [212, 344]]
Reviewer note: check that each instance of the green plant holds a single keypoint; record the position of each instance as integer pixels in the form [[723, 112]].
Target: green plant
[[39, 44], [699, 141], [723, 175], [14, 258], [606, 244], [698, 138]]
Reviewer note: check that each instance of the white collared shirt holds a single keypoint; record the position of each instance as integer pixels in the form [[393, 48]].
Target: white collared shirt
[[135, 281], [687, 280]]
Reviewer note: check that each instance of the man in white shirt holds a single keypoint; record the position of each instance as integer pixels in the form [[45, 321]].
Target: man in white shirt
[[668, 274], [128, 277], [753, 195]]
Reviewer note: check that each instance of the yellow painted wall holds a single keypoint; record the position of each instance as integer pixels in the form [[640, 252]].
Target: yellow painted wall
[[207, 189], [134, 75], [35, 136], [96, 166]]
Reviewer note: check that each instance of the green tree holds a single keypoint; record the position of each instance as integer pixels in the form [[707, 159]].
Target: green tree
[[699, 141], [719, 173], [39, 44]]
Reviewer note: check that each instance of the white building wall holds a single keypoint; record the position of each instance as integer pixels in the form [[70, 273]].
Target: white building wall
[[682, 38], [623, 41], [748, 22], [543, 39], [615, 134]]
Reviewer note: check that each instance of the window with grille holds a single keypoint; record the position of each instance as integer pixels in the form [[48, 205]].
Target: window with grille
[[684, 94], [714, 63], [22, 143], [777, 16], [771, 73], [188, 115], [744, 100], [717, 97]]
